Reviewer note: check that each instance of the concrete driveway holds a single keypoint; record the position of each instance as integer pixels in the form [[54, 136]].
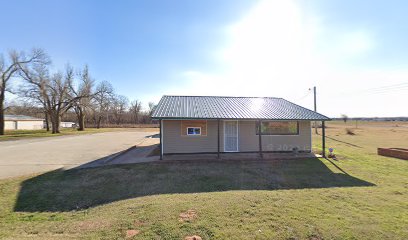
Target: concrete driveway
[[29, 156]]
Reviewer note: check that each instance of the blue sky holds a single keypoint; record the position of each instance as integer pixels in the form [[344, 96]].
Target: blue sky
[[355, 52]]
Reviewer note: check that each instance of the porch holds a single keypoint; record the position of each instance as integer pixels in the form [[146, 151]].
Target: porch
[[237, 156]]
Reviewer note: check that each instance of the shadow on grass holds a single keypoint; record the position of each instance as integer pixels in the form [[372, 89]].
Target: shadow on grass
[[78, 189], [347, 143]]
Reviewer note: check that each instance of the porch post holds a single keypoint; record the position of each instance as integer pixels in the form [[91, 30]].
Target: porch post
[[218, 139], [260, 138], [323, 140], [161, 139]]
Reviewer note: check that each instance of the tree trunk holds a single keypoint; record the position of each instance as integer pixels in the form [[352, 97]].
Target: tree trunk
[[53, 128], [81, 120], [58, 123], [2, 112], [55, 122], [98, 125], [47, 122]]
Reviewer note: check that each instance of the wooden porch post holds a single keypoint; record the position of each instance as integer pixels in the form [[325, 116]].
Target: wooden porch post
[[161, 139], [323, 140], [218, 139], [260, 138]]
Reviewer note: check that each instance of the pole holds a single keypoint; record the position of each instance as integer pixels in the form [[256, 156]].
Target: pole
[[323, 139], [315, 108], [161, 139], [260, 138], [218, 139]]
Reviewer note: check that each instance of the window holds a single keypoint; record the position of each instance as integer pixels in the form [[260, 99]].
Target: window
[[278, 128], [193, 131]]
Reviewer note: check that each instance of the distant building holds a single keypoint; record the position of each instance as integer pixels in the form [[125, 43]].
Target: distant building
[[67, 124], [21, 122]]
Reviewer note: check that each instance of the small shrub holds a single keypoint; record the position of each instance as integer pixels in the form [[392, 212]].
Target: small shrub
[[350, 131]]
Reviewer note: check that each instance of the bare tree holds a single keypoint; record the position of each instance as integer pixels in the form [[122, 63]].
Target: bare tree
[[9, 68], [51, 90], [150, 111], [81, 95], [119, 108], [135, 109], [35, 89], [101, 101]]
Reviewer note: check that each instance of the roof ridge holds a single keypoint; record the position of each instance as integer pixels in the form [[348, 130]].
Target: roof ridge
[[232, 107], [218, 96]]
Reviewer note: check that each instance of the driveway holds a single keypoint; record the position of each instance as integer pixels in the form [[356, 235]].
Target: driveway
[[30, 156]]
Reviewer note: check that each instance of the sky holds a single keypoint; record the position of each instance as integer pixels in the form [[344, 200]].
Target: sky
[[354, 52]]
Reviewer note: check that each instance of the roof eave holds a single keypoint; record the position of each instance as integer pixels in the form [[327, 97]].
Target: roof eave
[[269, 119]]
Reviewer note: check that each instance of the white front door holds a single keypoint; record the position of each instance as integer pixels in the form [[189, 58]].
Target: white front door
[[230, 136]]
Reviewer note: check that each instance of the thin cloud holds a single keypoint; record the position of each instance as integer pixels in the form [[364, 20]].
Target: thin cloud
[[277, 49]]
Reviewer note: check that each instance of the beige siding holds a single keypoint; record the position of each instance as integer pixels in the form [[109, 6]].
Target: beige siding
[[174, 142], [24, 125], [272, 142], [10, 125]]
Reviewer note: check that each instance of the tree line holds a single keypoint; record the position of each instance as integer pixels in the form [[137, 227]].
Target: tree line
[[69, 94]]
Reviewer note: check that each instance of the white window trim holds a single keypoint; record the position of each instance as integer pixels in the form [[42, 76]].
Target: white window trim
[[193, 134], [237, 135]]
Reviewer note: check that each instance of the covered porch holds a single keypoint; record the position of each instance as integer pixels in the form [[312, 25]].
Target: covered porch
[[260, 151]]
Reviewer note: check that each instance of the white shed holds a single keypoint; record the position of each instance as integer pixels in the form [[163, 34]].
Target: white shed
[[67, 124], [21, 122]]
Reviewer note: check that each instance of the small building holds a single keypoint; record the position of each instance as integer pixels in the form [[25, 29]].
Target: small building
[[212, 124], [67, 124], [21, 122]]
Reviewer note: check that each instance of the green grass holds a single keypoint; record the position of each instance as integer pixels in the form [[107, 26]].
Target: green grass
[[24, 134], [360, 196]]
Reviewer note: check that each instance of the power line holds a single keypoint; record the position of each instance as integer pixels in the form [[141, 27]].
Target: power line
[[394, 86], [377, 90], [307, 94], [388, 90]]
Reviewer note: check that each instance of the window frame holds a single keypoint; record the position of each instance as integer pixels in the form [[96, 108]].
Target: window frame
[[257, 126], [187, 134]]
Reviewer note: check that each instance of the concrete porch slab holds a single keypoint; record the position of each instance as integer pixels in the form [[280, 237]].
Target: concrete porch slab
[[238, 156]]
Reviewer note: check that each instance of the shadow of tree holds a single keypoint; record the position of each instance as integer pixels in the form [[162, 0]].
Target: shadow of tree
[[66, 190]]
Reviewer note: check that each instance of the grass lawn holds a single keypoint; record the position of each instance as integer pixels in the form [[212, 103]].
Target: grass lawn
[[24, 134], [360, 196]]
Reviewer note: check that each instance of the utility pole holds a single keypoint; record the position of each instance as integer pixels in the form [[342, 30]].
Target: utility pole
[[315, 109]]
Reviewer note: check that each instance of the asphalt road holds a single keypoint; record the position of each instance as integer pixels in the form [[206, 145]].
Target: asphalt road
[[28, 156]]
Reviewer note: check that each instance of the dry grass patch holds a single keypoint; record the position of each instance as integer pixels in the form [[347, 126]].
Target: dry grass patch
[[195, 237], [188, 216]]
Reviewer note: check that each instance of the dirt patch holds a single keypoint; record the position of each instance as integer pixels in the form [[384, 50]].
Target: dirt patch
[[195, 237], [350, 132], [138, 223], [132, 233], [92, 225], [188, 216]]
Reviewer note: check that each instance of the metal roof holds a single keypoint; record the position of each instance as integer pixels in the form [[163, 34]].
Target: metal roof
[[21, 118], [215, 107]]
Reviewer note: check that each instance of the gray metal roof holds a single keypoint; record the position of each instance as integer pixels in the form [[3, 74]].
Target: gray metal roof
[[21, 118], [214, 107]]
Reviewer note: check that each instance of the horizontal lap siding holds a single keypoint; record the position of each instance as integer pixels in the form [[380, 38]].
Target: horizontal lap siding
[[174, 142], [24, 125], [249, 141], [30, 125], [9, 125]]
